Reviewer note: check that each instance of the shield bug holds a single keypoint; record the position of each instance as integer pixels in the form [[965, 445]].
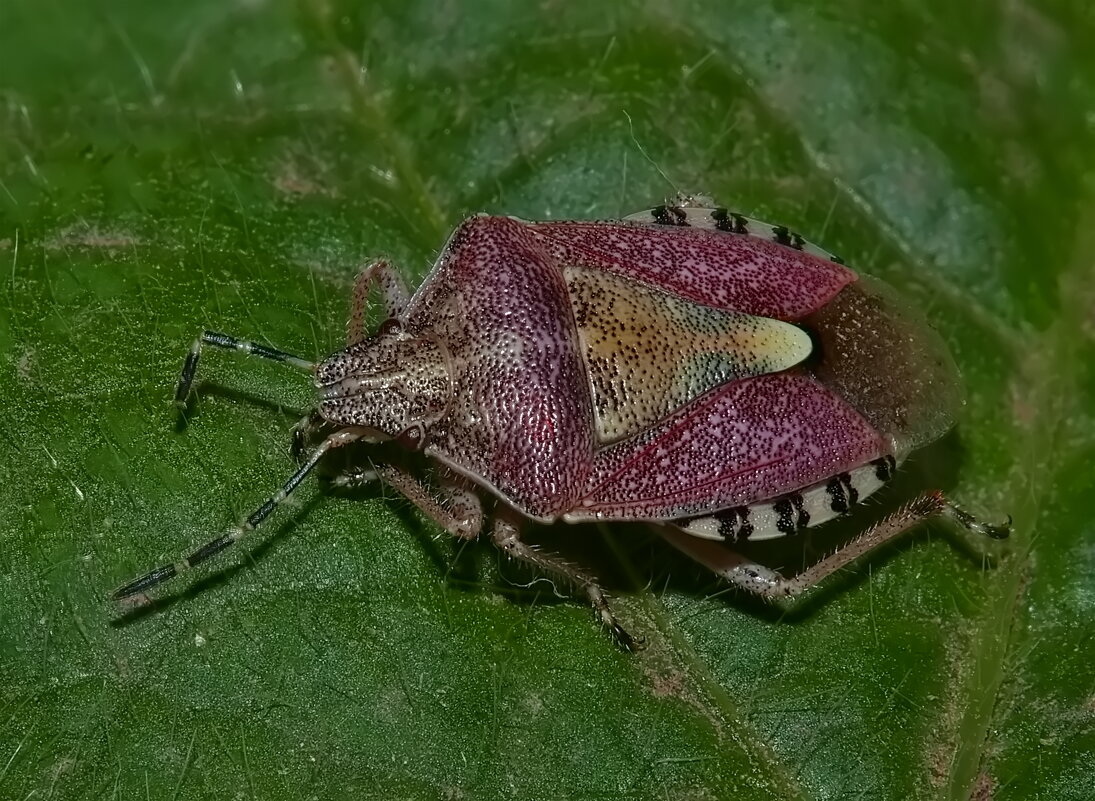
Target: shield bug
[[687, 366]]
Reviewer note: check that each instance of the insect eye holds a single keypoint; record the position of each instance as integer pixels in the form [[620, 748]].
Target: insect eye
[[390, 326], [413, 437]]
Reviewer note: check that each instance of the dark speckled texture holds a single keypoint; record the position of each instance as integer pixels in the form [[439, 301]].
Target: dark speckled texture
[[746, 441], [728, 271], [520, 418], [521, 409]]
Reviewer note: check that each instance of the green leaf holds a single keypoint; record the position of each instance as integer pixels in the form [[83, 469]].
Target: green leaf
[[169, 167]]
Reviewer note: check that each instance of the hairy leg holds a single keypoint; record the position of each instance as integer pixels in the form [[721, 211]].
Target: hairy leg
[[394, 297], [769, 583], [507, 537]]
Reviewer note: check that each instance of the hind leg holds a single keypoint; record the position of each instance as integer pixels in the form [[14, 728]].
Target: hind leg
[[768, 583]]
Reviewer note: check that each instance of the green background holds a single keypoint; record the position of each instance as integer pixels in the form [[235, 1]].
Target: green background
[[171, 166]]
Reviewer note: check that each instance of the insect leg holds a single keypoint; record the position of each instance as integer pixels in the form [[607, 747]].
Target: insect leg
[[226, 342], [393, 293], [459, 511], [507, 537], [215, 546], [303, 431], [355, 477], [769, 583]]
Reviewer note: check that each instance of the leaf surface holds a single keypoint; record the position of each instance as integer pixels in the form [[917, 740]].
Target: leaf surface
[[166, 168]]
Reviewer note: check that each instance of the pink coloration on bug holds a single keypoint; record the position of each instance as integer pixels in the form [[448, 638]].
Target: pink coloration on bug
[[518, 418], [690, 367], [751, 439], [739, 273]]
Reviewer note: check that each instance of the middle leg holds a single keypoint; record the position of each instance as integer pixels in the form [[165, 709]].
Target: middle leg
[[458, 510], [507, 537]]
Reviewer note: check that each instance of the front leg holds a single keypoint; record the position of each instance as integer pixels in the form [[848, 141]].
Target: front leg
[[458, 510], [454, 507], [303, 433], [394, 297]]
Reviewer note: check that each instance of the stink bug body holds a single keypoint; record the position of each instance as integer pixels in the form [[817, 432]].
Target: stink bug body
[[687, 366]]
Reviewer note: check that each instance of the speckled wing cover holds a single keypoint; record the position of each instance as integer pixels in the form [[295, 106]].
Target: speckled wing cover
[[751, 437], [627, 370]]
